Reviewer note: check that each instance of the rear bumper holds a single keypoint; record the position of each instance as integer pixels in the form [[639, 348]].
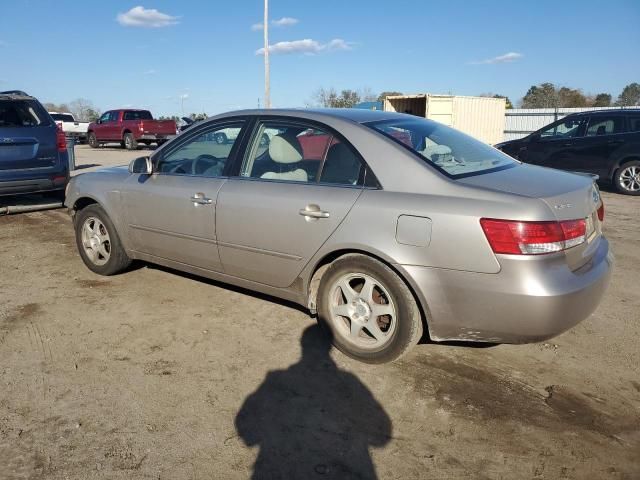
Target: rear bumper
[[531, 299], [154, 137], [17, 183]]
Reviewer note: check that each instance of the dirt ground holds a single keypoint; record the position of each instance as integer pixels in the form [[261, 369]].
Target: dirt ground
[[154, 374]]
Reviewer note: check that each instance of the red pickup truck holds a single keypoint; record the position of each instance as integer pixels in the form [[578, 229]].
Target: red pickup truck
[[129, 128]]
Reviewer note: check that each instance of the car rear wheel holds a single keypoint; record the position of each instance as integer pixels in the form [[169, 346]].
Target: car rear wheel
[[368, 309], [130, 142], [627, 178], [92, 140], [221, 138], [98, 242]]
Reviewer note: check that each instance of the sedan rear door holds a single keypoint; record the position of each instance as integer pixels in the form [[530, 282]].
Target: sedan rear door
[[274, 216]]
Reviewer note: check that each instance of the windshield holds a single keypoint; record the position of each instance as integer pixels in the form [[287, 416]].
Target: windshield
[[22, 113], [137, 115], [452, 152], [62, 117]]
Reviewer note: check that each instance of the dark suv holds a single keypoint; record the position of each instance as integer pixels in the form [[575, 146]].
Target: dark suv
[[33, 150], [602, 142]]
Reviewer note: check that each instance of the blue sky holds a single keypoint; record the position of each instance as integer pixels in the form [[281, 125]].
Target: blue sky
[[206, 50]]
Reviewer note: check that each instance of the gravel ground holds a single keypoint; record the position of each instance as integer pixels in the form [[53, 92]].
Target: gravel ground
[[157, 374]]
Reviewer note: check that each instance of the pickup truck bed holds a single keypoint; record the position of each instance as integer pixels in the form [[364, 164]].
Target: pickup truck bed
[[130, 128]]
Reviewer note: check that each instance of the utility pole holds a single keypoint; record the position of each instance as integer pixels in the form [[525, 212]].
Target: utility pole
[[267, 86]]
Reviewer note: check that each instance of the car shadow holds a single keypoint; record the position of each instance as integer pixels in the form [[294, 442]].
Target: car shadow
[[313, 419], [87, 165], [261, 296]]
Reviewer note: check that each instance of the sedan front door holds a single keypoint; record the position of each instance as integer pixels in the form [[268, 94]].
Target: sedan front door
[[555, 145], [172, 213], [277, 214]]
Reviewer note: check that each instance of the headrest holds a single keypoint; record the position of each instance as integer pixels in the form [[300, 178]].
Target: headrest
[[285, 148]]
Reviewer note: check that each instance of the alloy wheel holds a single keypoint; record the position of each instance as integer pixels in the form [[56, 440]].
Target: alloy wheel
[[630, 178], [96, 241], [362, 311]]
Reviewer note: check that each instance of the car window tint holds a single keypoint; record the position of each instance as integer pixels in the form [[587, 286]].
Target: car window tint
[[288, 152], [22, 113], [137, 115], [341, 166], [634, 124], [569, 128], [605, 125], [204, 155]]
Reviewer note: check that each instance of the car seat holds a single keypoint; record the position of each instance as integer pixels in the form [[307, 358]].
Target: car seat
[[285, 151]]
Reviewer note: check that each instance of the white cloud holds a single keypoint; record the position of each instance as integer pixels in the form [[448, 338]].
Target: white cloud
[[280, 22], [285, 22], [143, 17], [506, 58], [306, 46], [151, 71]]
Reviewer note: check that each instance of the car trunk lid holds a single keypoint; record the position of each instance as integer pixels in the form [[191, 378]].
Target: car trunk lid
[[568, 196]]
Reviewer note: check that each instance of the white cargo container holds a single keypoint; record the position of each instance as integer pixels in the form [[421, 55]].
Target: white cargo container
[[480, 117]]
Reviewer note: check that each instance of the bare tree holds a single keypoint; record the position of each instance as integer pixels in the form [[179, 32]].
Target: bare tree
[[83, 110]]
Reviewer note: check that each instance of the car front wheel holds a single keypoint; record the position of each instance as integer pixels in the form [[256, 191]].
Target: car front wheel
[[368, 309], [98, 242], [92, 140], [627, 178]]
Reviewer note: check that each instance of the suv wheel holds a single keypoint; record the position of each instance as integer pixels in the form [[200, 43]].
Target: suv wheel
[[368, 309], [130, 142], [92, 140], [627, 178], [98, 242]]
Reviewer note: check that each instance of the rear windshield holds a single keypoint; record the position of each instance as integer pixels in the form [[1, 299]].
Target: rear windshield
[[22, 113], [62, 117], [137, 115], [450, 151]]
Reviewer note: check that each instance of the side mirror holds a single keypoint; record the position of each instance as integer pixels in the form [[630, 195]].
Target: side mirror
[[141, 165]]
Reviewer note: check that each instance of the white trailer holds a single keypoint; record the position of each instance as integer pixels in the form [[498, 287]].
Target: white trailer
[[480, 117]]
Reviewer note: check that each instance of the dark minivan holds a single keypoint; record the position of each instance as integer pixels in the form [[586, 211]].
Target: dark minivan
[[33, 150], [602, 142]]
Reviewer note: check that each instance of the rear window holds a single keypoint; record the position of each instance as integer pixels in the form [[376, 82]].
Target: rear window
[[137, 115], [62, 117], [450, 151], [634, 124], [22, 113]]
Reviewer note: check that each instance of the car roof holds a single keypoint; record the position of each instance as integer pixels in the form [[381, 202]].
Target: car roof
[[606, 111], [351, 114], [15, 95]]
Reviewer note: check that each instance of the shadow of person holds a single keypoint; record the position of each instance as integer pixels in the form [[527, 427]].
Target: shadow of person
[[313, 419]]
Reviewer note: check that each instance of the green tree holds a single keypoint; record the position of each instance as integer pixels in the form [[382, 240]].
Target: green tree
[[541, 96], [571, 98], [602, 100], [630, 95]]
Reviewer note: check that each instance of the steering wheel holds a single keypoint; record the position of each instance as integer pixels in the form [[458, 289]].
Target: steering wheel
[[210, 160]]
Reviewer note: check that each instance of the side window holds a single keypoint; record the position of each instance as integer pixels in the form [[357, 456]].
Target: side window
[[634, 124], [569, 128], [113, 117], [105, 117], [289, 152], [204, 155], [341, 166], [605, 125]]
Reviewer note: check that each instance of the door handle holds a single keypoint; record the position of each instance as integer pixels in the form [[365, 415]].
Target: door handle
[[200, 199], [313, 211]]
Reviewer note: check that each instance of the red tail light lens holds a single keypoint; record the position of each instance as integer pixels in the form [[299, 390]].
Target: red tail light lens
[[141, 127], [533, 238], [61, 141], [601, 212]]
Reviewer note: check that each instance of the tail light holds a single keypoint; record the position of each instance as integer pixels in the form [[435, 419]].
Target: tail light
[[141, 127], [533, 238], [61, 141], [601, 211]]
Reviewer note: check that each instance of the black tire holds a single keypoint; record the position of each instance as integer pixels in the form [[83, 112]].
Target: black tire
[[129, 142], [92, 140], [118, 258], [621, 178], [221, 138], [408, 328]]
